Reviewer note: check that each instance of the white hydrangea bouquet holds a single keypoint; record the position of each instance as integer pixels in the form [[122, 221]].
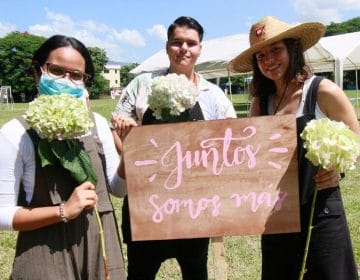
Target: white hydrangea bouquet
[[171, 96], [59, 117], [60, 120], [330, 145]]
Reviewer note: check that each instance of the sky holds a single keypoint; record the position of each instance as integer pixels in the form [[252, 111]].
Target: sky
[[130, 31]]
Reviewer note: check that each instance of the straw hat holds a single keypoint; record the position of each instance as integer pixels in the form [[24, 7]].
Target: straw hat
[[270, 30]]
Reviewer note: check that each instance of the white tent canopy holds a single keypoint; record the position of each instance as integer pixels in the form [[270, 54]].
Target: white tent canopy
[[345, 50], [333, 53], [213, 59]]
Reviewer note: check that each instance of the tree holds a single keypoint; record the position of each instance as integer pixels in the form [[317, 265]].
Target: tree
[[125, 77], [351, 25], [16, 51], [100, 84]]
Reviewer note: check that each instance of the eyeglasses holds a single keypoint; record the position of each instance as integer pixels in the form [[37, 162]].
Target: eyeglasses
[[57, 71]]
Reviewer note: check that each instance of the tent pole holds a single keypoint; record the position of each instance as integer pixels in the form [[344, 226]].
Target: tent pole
[[218, 81], [357, 93], [229, 81], [338, 72]]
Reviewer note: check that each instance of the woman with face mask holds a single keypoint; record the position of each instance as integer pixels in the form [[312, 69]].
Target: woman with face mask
[[58, 233]]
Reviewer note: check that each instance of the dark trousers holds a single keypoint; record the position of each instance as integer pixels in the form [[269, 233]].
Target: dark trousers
[[145, 257]]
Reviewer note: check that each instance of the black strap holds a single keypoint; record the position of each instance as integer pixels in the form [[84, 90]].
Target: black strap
[[264, 100], [311, 98], [196, 112]]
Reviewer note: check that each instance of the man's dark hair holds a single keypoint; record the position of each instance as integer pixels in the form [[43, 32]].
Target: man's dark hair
[[189, 22]]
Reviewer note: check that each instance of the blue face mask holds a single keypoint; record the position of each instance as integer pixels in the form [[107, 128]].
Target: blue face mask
[[51, 86]]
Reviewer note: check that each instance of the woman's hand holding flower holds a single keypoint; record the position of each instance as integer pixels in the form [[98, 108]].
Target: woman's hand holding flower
[[327, 179], [83, 197]]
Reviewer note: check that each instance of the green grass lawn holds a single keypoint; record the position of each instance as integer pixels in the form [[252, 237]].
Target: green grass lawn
[[242, 253]]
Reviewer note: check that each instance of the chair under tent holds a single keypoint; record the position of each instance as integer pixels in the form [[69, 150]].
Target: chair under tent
[[6, 98]]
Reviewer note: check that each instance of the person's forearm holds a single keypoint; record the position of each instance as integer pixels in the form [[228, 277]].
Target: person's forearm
[[26, 219]]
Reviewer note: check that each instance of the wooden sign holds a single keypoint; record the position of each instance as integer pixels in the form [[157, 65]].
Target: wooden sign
[[213, 178]]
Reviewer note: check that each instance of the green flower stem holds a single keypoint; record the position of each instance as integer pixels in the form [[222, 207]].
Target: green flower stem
[[310, 227], [102, 241]]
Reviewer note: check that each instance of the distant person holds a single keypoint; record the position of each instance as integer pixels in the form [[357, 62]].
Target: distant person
[[183, 48], [58, 231], [283, 84]]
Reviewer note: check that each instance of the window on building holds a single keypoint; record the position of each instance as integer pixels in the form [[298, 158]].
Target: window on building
[[116, 81], [115, 71], [106, 71]]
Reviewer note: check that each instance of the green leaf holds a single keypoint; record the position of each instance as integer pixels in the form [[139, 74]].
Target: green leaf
[[87, 166], [73, 158], [65, 148], [76, 169], [45, 152]]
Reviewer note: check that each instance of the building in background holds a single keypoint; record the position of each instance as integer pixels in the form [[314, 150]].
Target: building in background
[[111, 73]]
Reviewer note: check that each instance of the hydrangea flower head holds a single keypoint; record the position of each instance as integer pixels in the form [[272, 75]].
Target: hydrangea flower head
[[331, 144], [171, 94], [58, 117]]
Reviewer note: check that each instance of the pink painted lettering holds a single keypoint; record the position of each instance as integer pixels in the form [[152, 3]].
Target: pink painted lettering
[[209, 154], [265, 199], [174, 206]]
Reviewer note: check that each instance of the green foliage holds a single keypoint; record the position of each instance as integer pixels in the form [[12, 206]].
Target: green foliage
[[16, 51], [100, 84], [352, 25], [125, 77]]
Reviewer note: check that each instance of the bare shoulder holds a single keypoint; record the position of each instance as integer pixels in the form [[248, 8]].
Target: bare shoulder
[[336, 105], [328, 88], [330, 95]]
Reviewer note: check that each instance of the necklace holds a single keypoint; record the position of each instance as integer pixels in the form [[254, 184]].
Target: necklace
[[281, 99]]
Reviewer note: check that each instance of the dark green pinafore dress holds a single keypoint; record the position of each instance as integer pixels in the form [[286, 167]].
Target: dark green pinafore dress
[[68, 250]]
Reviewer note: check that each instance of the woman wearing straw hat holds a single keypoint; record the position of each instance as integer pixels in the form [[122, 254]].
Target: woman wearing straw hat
[[283, 84]]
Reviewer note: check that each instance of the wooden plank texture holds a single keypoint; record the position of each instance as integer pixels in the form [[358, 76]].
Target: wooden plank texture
[[213, 178]]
